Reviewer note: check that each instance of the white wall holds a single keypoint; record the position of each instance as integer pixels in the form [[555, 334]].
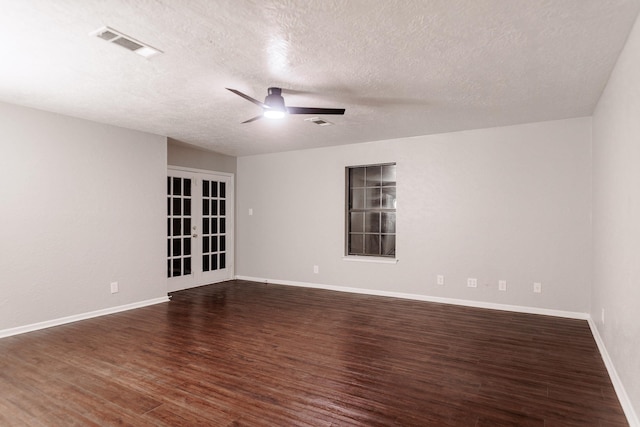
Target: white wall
[[509, 203], [82, 206], [616, 217]]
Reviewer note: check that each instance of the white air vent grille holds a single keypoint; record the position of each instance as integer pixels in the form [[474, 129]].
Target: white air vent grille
[[129, 43], [318, 121], [107, 35]]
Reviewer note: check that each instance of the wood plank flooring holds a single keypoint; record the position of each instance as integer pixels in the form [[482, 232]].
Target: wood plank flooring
[[250, 354]]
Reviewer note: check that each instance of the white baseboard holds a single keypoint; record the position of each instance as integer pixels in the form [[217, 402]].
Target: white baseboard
[[83, 316], [623, 397], [428, 298]]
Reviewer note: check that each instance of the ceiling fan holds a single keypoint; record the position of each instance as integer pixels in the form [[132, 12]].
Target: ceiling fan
[[273, 106]]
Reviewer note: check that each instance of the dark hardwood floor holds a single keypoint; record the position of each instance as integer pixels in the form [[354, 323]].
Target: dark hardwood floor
[[250, 354]]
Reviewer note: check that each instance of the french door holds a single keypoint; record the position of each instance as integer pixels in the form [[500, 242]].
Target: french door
[[199, 228]]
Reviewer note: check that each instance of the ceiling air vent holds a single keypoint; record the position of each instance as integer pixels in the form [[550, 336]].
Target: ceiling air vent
[[116, 37], [127, 44], [318, 121], [107, 35]]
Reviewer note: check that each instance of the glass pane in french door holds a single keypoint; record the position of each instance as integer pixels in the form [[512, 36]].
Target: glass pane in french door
[[178, 226], [214, 225]]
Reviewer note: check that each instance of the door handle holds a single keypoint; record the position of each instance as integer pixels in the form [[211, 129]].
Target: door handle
[[194, 235]]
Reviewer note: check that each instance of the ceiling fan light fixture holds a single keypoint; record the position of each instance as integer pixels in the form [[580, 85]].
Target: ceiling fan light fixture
[[273, 114], [273, 107]]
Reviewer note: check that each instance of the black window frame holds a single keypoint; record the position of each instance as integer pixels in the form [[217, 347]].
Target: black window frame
[[371, 214]]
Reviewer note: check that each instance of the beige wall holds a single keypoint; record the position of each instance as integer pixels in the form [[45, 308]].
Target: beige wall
[[510, 203], [82, 206], [616, 217], [188, 156]]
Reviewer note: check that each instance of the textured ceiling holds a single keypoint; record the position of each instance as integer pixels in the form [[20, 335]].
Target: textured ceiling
[[399, 67]]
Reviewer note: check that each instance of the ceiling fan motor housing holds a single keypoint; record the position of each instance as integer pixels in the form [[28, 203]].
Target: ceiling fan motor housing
[[274, 99]]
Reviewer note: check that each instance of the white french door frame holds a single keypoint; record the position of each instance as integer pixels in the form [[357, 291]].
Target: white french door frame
[[189, 243]]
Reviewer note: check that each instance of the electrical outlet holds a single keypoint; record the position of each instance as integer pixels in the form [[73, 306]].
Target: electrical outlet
[[472, 283], [502, 285], [114, 287], [440, 279], [250, 211], [316, 269], [537, 287]]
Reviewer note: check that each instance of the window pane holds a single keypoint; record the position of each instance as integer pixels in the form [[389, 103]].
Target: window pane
[[168, 247], [223, 208], [205, 207], [372, 244], [389, 175], [214, 244], [223, 190], [223, 226], [214, 262], [187, 266], [356, 177], [186, 246], [372, 222], [187, 187], [168, 185], [168, 268], [177, 208], [388, 245], [214, 207], [177, 270], [205, 188], [388, 222], [373, 198], [205, 225], [357, 222], [357, 198], [177, 230], [214, 226], [223, 261], [222, 243], [177, 187], [356, 244], [187, 225], [374, 176], [205, 245], [205, 262], [187, 207], [177, 247], [389, 198], [168, 206], [214, 188]]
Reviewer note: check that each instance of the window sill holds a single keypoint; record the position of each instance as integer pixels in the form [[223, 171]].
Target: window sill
[[377, 260]]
